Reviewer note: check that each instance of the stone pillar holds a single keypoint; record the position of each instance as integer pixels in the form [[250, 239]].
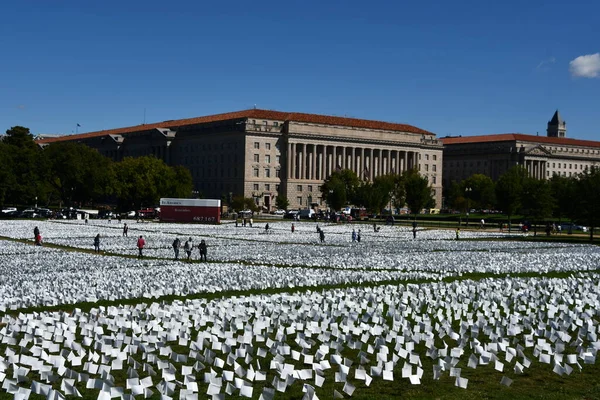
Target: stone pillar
[[323, 162], [300, 160], [313, 166], [361, 171], [354, 166], [405, 161], [371, 164], [292, 157]]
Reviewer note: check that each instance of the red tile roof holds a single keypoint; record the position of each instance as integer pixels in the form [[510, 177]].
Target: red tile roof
[[504, 137], [253, 114]]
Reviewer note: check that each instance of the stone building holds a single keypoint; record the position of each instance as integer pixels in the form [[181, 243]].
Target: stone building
[[262, 153], [542, 156]]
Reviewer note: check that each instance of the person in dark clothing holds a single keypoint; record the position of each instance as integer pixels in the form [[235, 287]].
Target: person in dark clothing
[[414, 232], [176, 245], [202, 248], [125, 230], [321, 235], [97, 243], [36, 232], [188, 248], [267, 228], [358, 236]]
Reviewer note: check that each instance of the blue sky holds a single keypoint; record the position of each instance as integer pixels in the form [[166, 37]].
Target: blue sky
[[459, 68]]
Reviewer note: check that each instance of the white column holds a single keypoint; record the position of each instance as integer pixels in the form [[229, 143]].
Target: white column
[[361, 171], [300, 161], [293, 168], [313, 167]]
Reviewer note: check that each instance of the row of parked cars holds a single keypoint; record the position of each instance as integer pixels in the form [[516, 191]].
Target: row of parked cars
[[12, 212]]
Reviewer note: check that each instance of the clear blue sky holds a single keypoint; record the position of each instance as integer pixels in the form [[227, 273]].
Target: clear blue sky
[[451, 67]]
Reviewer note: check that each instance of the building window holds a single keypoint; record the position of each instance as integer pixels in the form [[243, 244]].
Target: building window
[[426, 167], [299, 188], [256, 158], [434, 157], [434, 180], [427, 157], [267, 187], [277, 187], [268, 146], [265, 123], [277, 160], [268, 159], [255, 186], [255, 172], [299, 199], [275, 123], [256, 145], [276, 173], [267, 173], [310, 188]]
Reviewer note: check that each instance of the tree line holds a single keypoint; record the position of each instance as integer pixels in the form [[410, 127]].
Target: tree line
[[73, 174], [384, 192], [576, 198]]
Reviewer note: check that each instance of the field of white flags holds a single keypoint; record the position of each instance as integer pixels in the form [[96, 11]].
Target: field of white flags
[[280, 314]]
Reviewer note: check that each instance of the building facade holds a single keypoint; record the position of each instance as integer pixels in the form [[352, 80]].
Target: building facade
[[542, 156], [263, 154]]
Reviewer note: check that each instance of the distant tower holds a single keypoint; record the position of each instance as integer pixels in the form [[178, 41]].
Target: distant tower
[[556, 126]]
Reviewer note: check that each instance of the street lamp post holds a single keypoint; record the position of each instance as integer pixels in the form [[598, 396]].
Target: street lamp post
[[468, 191]]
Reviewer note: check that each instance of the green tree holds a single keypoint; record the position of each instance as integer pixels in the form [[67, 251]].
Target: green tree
[[482, 194], [78, 173], [28, 167], [339, 187], [376, 196], [508, 191], [7, 177], [419, 194], [455, 196], [183, 183], [282, 202], [239, 203], [563, 192], [536, 200], [587, 199], [142, 181]]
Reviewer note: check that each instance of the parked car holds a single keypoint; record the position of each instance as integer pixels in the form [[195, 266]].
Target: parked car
[[279, 212], [291, 214], [306, 213], [569, 227]]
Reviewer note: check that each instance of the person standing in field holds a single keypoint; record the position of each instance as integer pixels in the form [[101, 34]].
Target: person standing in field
[[188, 248], [125, 229], [141, 243], [176, 245], [202, 248], [97, 244]]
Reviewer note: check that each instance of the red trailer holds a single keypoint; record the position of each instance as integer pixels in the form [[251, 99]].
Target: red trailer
[[206, 211]]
